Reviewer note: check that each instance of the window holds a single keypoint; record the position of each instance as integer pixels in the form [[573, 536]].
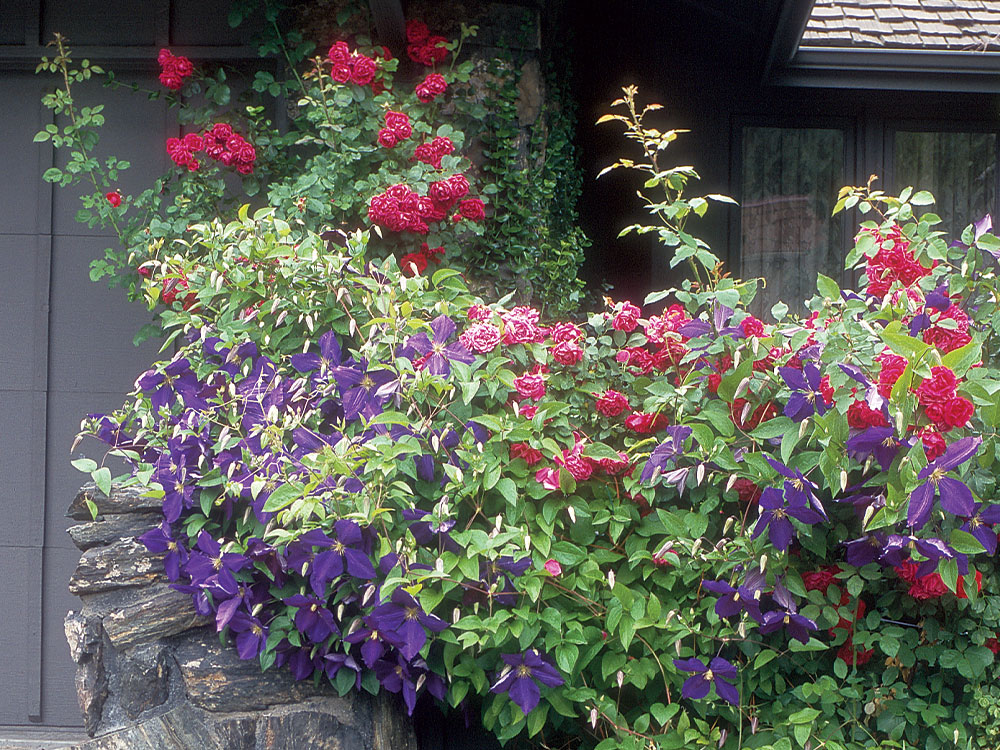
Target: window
[[960, 169], [790, 179]]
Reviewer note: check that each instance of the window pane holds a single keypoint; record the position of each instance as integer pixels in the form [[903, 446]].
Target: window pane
[[790, 181], [958, 168]]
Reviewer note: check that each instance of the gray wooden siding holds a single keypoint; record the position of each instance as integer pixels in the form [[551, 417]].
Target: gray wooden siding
[[65, 342]]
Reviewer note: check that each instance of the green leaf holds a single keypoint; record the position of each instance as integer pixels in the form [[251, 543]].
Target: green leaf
[[964, 543], [774, 428], [598, 451], [804, 716], [764, 657], [827, 287], [102, 478], [285, 495], [922, 198], [566, 656], [508, 489], [961, 359], [904, 345], [86, 465]]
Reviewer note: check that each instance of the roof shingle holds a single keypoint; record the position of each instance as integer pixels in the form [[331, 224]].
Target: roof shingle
[[904, 24]]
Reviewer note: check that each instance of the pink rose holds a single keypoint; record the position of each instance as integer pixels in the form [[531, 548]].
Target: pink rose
[[481, 337], [553, 567], [548, 478]]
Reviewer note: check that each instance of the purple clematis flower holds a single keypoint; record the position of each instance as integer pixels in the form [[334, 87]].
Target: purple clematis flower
[[429, 533], [788, 617], [665, 452], [406, 676], [743, 598], [339, 660], [251, 635], [865, 550], [313, 618], [160, 539], [806, 398], [437, 353], [177, 379], [775, 517], [719, 672], [880, 442], [347, 553], [956, 498], [401, 621], [798, 489], [898, 549], [364, 390], [521, 675], [372, 646], [324, 362], [980, 525], [209, 562]]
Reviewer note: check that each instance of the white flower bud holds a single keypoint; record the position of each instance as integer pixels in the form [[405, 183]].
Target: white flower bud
[[620, 679], [611, 579], [593, 718], [571, 513]]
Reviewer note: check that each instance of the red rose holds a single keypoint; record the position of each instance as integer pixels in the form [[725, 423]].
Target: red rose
[[993, 645], [399, 123], [530, 385], [626, 317], [114, 198], [530, 455], [339, 53], [956, 413], [611, 403], [646, 424], [928, 587], [852, 656], [714, 381], [387, 138], [363, 70], [934, 445], [481, 337], [408, 261], [472, 209], [747, 491], [892, 367], [416, 31], [480, 312], [938, 388], [566, 332], [567, 353], [820, 580], [860, 416], [960, 586], [341, 72], [752, 327]]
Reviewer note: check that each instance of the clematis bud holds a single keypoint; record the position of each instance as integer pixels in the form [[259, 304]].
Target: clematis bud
[[731, 481], [729, 524], [593, 718], [696, 546], [803, 427], [699, 474], [620, 679], [571, 512], [843, 480], [611, 578], [763, 562], [456, 614]]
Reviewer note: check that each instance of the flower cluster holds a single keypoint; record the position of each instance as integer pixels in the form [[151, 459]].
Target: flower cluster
[[400, 209], [348, 67], [417, 262], [397, 129], [892, 261], [433, 151], [219, 142], [173, 69], [431, 87], [422, 46]]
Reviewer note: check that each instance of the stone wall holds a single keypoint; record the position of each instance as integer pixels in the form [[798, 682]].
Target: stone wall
[[152, 675]]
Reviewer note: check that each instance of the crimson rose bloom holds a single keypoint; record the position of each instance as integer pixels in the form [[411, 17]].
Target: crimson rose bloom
[[752, 327], [957, 413], [611, 403], [362, 70], [530, 385], [114, 198], [481, 337], [567, 353], [646, 424], [860, 416], [530, 455], [472, 209], [387, 138], [938, 388], [892, 367], [934, 445], [430, 87], [626, 317]]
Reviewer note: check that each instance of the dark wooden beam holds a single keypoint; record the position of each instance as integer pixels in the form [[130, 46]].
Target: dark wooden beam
[[792, 19], [390, 24]]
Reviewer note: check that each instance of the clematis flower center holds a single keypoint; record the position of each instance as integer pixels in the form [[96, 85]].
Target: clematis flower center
[[975, 522], [412, 613], [524, 671], [256, 630], [708, 675], [936, 476], [338, 546], [217, 562], [172, 546], [367, 382]]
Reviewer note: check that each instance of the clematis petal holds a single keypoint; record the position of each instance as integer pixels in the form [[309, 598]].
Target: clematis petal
[[695, 687], [525, 693], [919, 509], [956, 498], [727, 692]]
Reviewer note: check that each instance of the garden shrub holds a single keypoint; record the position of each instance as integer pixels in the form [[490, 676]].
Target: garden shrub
[[677, 529]]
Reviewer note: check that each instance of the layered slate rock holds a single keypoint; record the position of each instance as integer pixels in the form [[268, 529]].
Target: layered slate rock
[[152, 674]]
